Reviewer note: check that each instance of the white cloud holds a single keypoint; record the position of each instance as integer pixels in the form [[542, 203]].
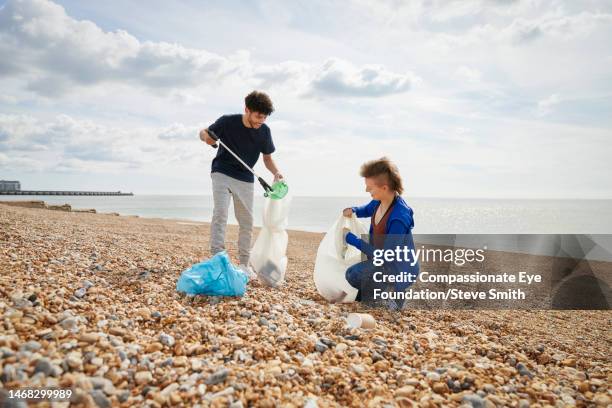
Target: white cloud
[[55, 54], [468, 74], [65, 143], [546, 106], [341, 78], [178, 131], [20, 163], [288, 71]]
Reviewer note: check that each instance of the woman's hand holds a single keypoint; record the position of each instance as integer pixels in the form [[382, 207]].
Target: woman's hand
[[347, 212]]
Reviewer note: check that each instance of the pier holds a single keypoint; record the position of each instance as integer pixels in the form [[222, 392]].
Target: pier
[[65, 193]]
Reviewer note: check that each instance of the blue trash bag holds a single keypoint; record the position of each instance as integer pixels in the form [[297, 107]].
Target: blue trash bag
[[216, 276]]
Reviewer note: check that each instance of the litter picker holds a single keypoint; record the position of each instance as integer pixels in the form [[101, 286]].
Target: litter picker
[[277, 191]]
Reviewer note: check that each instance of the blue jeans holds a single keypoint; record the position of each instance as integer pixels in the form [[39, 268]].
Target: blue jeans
[[360, 277]]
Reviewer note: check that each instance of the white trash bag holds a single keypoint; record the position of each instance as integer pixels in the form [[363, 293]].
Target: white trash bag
[[334, 257], [269, 254]]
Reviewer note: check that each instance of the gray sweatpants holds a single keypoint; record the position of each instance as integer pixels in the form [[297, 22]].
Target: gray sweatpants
[[224, 188]]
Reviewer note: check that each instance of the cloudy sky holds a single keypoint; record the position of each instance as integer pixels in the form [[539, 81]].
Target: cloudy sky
[[470, 98]]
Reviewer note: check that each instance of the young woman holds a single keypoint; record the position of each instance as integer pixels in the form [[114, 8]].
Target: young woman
[[390, 227]]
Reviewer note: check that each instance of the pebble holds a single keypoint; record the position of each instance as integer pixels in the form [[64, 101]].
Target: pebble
[[523, 370], [31, 346], [153, 347], [602, 400], [454, 385], [474, 400], [22, 303], [307, 363], [217, 377], [341, 347], [69, 323], [320, 347], [80, 293], [123, 396], [143, 377], [328, 342], [405, 391], [100, 399], [169, 390], [180, 361], [311, 403], [90, 338], [44, 366], [166, 339], [9, 373], [74, 360], [358, 369], [489, 388], [196, 365], [224, 393], [433, 376], [376, 356], [6, 352], [440, 388], [523, 404]]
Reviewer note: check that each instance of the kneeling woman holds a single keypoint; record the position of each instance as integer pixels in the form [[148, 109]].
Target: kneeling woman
[[390, 227]]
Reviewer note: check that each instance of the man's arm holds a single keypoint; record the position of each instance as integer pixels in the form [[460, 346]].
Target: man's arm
[[206, 138], [271, 166]]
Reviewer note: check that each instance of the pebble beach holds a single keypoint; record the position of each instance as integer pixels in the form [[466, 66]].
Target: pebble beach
[[89, 302]]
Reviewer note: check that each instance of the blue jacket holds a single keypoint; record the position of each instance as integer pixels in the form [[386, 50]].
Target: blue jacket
[[399, 233]]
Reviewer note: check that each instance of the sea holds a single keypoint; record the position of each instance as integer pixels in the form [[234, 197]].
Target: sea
[[431, 215]]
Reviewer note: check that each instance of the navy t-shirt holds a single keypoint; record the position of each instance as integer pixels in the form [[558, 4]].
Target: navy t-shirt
[[246, 142]]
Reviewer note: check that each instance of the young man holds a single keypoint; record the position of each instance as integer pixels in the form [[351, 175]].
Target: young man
[[390, 227], [247, 136]]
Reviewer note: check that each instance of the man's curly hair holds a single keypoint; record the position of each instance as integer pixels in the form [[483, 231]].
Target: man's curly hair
[[385, 171], [260, 102]]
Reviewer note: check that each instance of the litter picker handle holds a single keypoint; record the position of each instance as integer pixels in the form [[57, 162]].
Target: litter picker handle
[[214, 137], [265, 185]]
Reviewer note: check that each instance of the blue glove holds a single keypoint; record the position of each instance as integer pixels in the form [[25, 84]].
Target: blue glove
[[352, 239]]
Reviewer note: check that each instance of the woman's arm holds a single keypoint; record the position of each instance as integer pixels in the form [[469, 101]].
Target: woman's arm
[[361, 211]]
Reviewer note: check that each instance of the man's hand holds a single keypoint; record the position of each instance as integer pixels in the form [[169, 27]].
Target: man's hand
[[278, 177], [347, 212], [206, 138]]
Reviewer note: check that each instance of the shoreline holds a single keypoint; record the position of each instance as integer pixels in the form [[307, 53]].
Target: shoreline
[[432, 217], [428, 240], [40, 204]]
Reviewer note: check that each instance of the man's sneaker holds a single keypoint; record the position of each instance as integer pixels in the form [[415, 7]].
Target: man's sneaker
[[250, 273]]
